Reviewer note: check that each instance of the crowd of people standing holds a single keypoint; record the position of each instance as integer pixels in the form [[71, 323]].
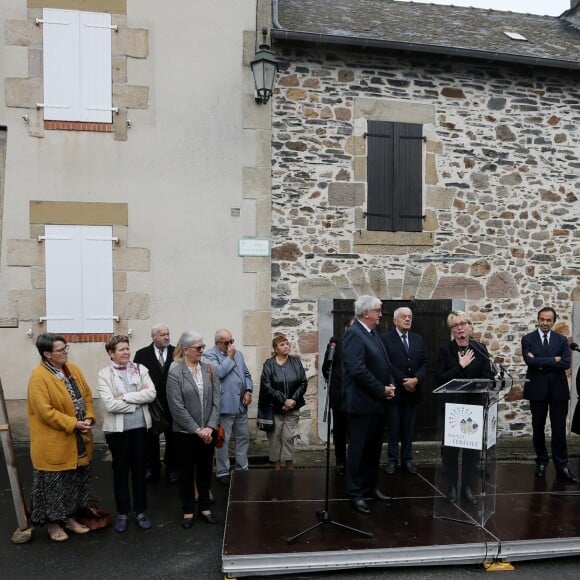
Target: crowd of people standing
[[376, 383]]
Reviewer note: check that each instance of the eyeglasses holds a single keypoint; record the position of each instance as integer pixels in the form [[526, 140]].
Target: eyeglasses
[[460, 324], [62, 350], [375, 310], [198, 348], [226, 342]]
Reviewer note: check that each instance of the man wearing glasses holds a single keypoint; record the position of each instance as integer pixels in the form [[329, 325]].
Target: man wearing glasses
[[368, 383], [236, 395]]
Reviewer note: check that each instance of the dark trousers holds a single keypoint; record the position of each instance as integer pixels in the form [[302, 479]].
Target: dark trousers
[[558, 411], [154, 453], [339, 435], [363, 455], [195, 464], [401, 419], [129, 450], [469, 465]]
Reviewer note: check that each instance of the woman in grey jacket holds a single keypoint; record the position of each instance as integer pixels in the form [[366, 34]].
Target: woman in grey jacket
[[282, 387], [125, 390], [193, 397]]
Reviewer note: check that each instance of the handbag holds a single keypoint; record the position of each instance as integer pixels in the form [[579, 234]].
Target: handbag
[[265, 419], [219, 437], [94, 517], [160, 421]]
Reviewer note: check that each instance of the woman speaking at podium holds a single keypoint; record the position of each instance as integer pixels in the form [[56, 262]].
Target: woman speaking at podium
[[462, 358]]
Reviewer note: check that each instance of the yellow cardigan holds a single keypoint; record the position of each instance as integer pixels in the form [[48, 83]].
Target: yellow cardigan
[[51, 414]]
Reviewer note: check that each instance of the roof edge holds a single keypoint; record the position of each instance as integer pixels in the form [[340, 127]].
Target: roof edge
[[326, 39]]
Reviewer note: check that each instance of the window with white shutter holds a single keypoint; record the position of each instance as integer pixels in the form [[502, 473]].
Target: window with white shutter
[[79, 279], [77, 63]]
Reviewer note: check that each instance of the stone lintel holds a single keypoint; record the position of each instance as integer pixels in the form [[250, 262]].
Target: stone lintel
[[108, 6], [382, 109], [78, 213]]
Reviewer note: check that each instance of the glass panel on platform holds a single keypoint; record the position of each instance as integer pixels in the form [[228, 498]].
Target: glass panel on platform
[[465, 477]]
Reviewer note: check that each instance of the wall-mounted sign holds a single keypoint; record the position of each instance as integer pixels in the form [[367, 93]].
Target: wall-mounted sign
[[253, 247]]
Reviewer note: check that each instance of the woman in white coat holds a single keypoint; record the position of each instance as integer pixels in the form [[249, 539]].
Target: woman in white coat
[[125, 390]]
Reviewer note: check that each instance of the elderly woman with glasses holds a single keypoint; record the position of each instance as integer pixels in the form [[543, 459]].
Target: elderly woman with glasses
[[462, 358], [61, 418], [126, 389], [193, 396]]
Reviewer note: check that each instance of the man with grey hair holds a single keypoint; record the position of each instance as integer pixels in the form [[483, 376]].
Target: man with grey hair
[[236, 395], [157, 357], [368, 384], [410, 366]]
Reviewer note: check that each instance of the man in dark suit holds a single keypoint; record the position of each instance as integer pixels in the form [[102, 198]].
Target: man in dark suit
[[548, 356], [409, 365], [157, 357], [367, 383]]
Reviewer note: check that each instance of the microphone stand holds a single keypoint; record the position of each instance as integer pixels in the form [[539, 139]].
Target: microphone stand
[[323, 513], [499, 374]]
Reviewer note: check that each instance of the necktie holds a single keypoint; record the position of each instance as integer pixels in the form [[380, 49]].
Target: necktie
[[405, 342], [545, 341], [161, 357]]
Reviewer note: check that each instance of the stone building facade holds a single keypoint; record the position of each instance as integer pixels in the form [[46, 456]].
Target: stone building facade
[[501, 162]]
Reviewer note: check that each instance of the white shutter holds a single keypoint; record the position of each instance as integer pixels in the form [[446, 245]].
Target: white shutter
[[63, 263], [97, 279], [61, 64], [79, 279], [95, 71]]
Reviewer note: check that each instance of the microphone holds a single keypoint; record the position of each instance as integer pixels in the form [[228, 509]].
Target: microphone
[[484, 353], [574, 346], [331, 349]]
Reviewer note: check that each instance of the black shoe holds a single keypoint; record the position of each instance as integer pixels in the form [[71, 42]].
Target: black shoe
[[340, 468], [541, 470], [224, 480], [360, 505], [380, 495], [391, 468], [143, 521], [208, 518], [452, 494], [187, 523], [172, 477], [467, 495], [566, 474], [411, 468]]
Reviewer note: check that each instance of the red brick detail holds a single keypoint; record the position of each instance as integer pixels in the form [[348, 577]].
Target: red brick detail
[[89, 337], [78, 126]]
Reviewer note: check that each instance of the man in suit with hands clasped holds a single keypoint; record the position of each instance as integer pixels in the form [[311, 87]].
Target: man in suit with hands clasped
[[368, 383], [547, 355]]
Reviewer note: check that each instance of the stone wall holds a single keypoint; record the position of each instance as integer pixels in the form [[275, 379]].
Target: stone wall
[[501, 188]]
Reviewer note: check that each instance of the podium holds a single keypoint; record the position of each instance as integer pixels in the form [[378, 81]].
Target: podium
[[465, 476]]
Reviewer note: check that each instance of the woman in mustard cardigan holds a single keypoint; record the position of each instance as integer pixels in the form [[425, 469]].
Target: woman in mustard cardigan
[[61, 417]]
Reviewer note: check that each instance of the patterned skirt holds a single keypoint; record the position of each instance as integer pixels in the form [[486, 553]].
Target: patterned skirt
[[57, 495]]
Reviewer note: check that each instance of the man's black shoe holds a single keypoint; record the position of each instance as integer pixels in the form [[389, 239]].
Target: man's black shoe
[[172, 477], [380, 495], [340, 468], [151, 475], [391, 468], [360, 505], [452, 494], [467, 495], [566, 474], [224, 479], [541, 470], [411, 467]]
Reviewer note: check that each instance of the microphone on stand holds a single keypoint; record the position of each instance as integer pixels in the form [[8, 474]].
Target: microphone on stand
[[331, 349], [497, 373]]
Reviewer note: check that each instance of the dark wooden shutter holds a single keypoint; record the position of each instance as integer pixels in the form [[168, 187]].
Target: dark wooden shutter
[[380, 165], [394, 176]]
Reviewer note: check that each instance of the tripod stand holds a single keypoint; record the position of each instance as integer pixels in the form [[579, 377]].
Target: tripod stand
[[323, 513]]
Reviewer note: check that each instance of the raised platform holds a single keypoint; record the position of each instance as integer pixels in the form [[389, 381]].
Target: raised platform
[[534, 518]]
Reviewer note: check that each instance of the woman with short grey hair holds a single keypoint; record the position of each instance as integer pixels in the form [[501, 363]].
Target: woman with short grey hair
[[193, 396]]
